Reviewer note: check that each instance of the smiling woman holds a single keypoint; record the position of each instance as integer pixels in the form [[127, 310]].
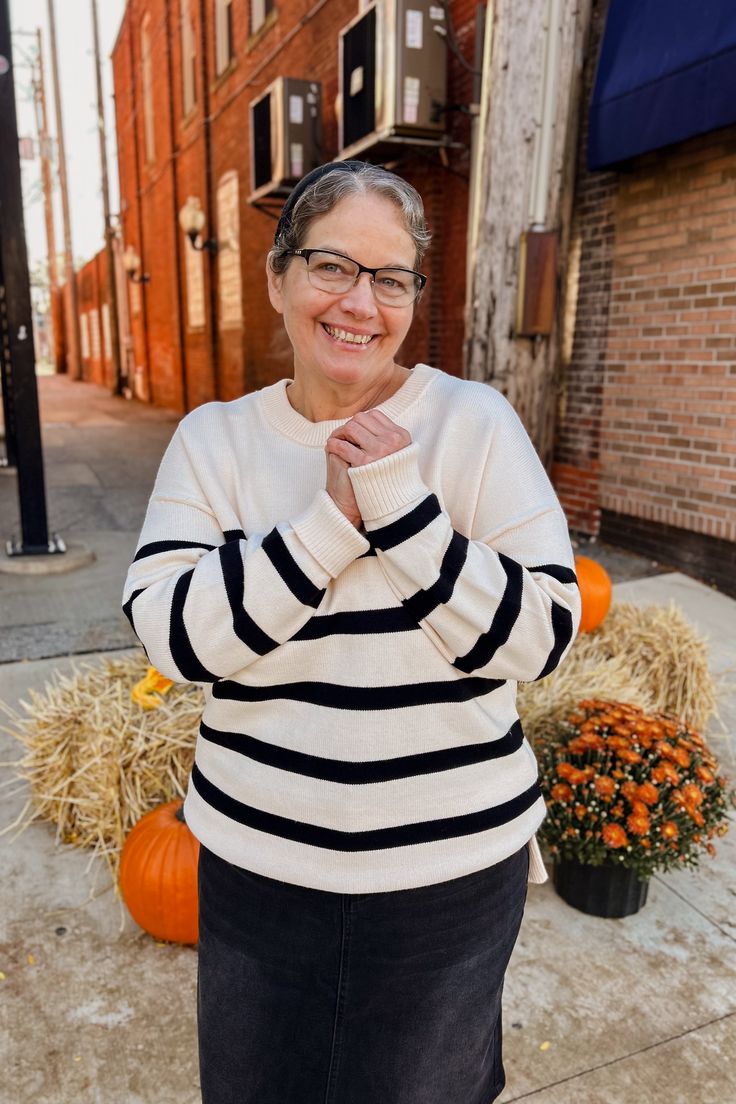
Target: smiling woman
[[361, 562]]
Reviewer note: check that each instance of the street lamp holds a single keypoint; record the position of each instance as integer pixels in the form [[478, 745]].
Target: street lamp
[[192, 219], [131, 264]]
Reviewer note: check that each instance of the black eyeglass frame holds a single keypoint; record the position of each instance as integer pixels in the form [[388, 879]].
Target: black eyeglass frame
[[307, 253]]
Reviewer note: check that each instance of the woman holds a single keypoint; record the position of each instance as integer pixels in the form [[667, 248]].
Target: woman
[[358, 564]]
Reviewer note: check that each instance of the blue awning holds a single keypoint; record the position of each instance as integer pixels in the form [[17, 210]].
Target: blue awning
[[667, 71]]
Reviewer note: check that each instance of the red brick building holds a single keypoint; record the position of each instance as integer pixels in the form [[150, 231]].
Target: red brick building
[[186, 73]]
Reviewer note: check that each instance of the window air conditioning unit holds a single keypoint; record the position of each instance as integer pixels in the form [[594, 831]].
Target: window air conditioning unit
[[286, 136], [393, 75]]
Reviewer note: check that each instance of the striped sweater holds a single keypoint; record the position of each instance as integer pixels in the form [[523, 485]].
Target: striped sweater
[[360, 732]]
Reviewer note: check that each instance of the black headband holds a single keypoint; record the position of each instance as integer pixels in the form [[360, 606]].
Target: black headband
[[307, 181]]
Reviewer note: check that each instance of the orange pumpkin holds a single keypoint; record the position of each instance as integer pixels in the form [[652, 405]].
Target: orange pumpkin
[[158, 874], [596, 592]]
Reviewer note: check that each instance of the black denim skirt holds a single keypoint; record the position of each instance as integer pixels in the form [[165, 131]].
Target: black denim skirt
[[307, 997]]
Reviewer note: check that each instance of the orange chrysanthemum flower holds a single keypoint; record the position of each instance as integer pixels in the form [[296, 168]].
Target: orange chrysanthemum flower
[[628, 755], [565, 769], [576, 777], [681, 757], [670, 830], [704, 775], [604, 786], [692, 794], [580, 811], [638, 824], [629, 790], [617, 810], [647, 793], [614, 836], [562, 792], [665, 772]]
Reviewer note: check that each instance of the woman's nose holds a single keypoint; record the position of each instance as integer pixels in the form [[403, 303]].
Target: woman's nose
[[359, 299]]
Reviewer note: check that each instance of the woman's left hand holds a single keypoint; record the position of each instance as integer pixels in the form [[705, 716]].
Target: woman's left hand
[[368, 436]]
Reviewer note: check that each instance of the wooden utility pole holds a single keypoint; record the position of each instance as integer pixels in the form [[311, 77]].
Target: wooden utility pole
[[44, 143], [531, 91], [71, 282], [112, 291]]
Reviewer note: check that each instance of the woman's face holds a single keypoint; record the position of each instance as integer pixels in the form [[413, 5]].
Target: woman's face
[[370, 229]]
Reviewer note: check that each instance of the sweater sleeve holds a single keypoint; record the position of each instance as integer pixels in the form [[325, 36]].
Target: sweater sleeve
[[206, 603], [500, 601]]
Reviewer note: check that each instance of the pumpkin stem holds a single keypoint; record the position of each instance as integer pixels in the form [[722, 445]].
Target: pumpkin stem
[[179, 814]]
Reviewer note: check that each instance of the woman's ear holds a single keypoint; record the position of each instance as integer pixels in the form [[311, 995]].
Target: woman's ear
[[275, 280]]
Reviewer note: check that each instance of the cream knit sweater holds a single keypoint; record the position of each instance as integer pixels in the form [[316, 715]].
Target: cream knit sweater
[[360, 732]]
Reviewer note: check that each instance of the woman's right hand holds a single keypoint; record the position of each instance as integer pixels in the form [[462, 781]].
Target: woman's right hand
[[340, 489]]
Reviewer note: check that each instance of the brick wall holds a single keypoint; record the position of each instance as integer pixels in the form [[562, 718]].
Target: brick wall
[[576, 470], [669, 403], [92, 301]]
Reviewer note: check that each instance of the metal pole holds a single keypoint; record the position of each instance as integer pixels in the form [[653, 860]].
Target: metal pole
[[68, 255], [18, 320], [112, 291]]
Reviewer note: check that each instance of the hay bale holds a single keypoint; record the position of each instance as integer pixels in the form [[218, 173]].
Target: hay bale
[[647, 656], [95, 760]]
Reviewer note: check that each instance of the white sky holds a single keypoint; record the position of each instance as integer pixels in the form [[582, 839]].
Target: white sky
[[79, 103]]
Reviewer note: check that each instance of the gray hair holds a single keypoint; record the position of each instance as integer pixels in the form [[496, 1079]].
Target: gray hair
[[331, 188]]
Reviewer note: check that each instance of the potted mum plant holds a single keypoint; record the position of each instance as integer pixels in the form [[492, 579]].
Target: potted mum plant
[[628, 793]]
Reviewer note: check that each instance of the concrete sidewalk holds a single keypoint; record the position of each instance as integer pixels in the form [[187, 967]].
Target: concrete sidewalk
[[634, 1011]]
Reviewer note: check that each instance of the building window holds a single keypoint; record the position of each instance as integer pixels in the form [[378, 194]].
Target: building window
[[147, 70], [94, 334], [228, 257], [188, 59], [84, 334], [224, 51], [259, 11]]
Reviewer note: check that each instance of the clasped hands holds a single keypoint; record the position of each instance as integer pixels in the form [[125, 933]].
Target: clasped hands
[[368, 436]]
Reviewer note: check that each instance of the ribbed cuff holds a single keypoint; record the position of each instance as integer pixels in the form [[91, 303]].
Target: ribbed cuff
[[328, 535], [389, 484]]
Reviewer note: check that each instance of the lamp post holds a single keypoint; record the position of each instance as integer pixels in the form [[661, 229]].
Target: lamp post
[[132, 264], [192, 219]]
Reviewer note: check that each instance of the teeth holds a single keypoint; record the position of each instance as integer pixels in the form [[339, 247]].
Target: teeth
[[343, 335]]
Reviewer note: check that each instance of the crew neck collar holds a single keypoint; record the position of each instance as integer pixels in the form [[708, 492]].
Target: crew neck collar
[[283, 417]]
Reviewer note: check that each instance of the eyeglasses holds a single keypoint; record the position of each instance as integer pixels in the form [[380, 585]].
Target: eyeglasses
[[336, 273]]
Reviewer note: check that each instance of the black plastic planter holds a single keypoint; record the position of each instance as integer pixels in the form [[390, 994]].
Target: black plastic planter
[[610, 891]]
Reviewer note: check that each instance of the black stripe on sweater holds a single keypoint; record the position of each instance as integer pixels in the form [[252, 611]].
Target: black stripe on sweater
[[180, 645], [504, 619], [407, 526], [234, 534], [300, 585], [562, 629], [128, 606], [244, 627], [156, 547], [335, 696], [557, 571], [364, 773], [357, 622], [421, 604], [403, 835]]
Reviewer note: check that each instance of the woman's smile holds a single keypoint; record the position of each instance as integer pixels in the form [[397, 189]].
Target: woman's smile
[[353, 339]]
